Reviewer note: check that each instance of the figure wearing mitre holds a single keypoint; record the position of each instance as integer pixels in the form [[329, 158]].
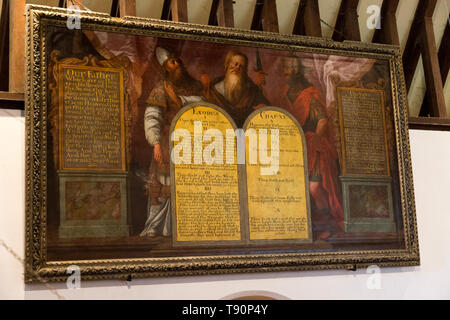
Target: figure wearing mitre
[[176, 89]]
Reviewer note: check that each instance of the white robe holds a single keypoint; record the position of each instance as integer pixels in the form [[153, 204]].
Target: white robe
[[159, 216]]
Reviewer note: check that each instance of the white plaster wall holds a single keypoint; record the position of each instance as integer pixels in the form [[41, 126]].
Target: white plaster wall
[[430, 156], [12, 203]]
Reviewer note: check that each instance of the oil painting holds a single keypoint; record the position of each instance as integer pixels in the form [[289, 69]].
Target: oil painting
[[174, 149]]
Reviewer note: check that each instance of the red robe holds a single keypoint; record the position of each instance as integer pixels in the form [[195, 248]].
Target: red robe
[[322, 156]]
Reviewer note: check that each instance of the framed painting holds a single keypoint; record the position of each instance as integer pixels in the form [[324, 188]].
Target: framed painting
[[156, 148]]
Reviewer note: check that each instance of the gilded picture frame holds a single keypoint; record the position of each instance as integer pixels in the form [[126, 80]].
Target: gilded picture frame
[[393, 241]]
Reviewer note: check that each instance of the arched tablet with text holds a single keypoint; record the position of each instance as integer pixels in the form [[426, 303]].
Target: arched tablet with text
[[277, 178]]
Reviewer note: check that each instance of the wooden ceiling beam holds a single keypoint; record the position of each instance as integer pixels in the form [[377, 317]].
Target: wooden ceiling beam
[[428, 107], [432, 71], [175, 10], [4, 46], [347, 26], [127, 8], [179, 10], [389, 32], [444, 53], [221, 13], [17, 46], [307, 21], [212, 20], [66, 3], [265, 16], [411, 53], [421, 40], [257, 14], [115, 9], [225, 14], [166, 13], [122, 8]]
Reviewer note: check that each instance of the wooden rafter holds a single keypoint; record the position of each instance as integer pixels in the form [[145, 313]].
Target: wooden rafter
[[389, 32], [175, 10], [307, 21], [444, 62], [17, 46], [4, 46], [444, 53], [411, 53], [432, 71], [421, 40], [166, 13], [122, 8], [347, 26], [257, 14], [429, 123], [265, 16], [115, 9], [65, 3], [212, 21], [179, 10], [225, 14], [221, 13], [127, 8]]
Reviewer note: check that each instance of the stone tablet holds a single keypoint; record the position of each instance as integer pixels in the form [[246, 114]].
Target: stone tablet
[[205, 187], [92, 176], [91, 127], [364, 144], [278, 195]]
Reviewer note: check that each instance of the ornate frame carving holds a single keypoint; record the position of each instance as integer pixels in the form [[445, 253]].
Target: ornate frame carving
[[39, 268]]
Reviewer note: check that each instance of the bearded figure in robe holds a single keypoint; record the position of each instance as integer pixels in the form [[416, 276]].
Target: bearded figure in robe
[[176, 89], [304, 102], [235, 92]]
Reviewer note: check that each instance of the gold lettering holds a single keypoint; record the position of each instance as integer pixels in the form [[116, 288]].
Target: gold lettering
[[206, 196], [277, 204], [92, 118], [363, 131]]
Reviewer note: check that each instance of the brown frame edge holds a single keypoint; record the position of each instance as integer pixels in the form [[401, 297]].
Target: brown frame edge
[[429, 123], [15, 101]]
